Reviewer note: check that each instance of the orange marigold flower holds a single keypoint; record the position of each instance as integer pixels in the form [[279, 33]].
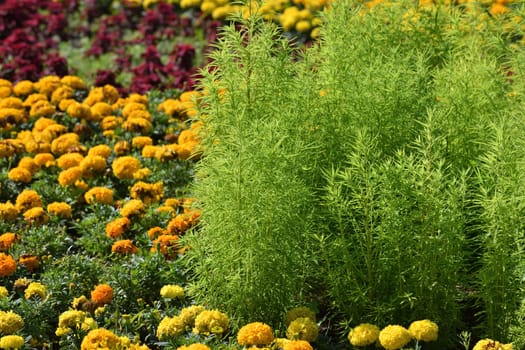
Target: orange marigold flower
[[20, 175], [70, 176], [117, 227], [156, 231], [132, 106], [133, 207], [23, 88], [61, 209], [100, 150], [44, 160], [46, 85], [29, 164], [74, 82], [7, 240], [30, 262], [141, 141], [8, 211], [42, 109], [101, 195], [61, 93], [100, 338], [182, 222], [149, 151], [100, 110], [110, 122], [139, 125], [64, 143], [11, 102], [167, 245], [79, 111], [125, 167], [124, 246], [122, 147], [69, 160], [147, 192], [7, 265], [93, 164], [28, 199], [255, 333], [36, 215], [297, 345], [102, 294], [195, 346]]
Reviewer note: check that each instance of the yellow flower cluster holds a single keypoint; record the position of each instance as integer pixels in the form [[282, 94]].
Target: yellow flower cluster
[[301, 311], [211, 322], [424, 330], [170, 327], [302, 328], [11, 342], [35, 289], [171, 291], [394, 337], [255, 333], [189, 314], [10, 322], [71, 320], [363, 335], [147, 192], [489, 344]]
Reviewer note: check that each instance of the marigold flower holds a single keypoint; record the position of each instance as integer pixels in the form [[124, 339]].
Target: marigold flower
[[73, 82], [110, 123], [28, 199], [394, 337], [139, 125], [122, 147], [69, 160], [102, 294], [132, 106], [100, 110], [64, 143], [33, 98], [61, 93], [167, 245], [3, 292], [141, 141], [20, 175], [100, 338], [23, 88], [36, 216], [194, 346], [61, 209], [117, 227], [424, 330], [101, 195], [149, 151], [211, 322], [170, 327], [7, 147], [11, 102], [10, 322], [11, 342], [133, 207], [148, 193], [302, 328], [35, 289], [78, 302], [301, 311], [30, 262], [8, 211], [46, 85], [255, 333], [297, 345], [124, 246], [102, 150], [182, 222], [171, 291], [363, 335], [74, 319], [93, 164], [7, 240], [124, 167], [489, 344], [189, 314], [29, 164], [44, 160], [70, 176], [79, 111], [42, 109]]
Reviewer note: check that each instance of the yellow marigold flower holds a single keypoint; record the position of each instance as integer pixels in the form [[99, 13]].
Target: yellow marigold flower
[[170, 327], [10, 322], [424, 330], [121, 147], [3, 292], [394, 337], [100, 150], [139, 125], [189, 314], [64, 104], [167, 245], [137, 98], [73, 82], [132, 106], [111, 122], [61, 209], [28, 199], [5, 91], [35, 289], [29, 261], [139, 113], [111, 94], [133, 207], [11, 116], [302, 328], [33, 98], [171, 291], [102, 294], [188, 135], [167, 152], [69, 160], [46, 85], [20, 175], [79, 111], [23, 88], [44, 160], [363, 335], [100, 338], [64, 143], [29, 164], [42, 109], [149, 151], [255, 333], [7, 240], [11, 102], [489, 344], [138, 347], [7, 148], [100, 110], [93, 164], [117, 227], [8, 211], [124, 167], [78, 302], [61, 93], [101, 195], [142, 174], [71, 319], [156, 231], [11, 342], [95, 95], [141, 141], [124, 246], [36, 216], [195, 346], [211, 322], [148, 193], [70, 176], [297, 345]]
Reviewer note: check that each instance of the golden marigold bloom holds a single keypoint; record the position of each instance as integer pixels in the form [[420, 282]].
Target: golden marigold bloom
[[155, 231], [10, 322], [46, 85], [20, 175], [30, 262], [255, 333], [122, 147], [171, 291], [11, 116], [189, 314], [74, 319], [140, 114], [78, 302], [182, 222], [73, 82], [195, 346], [28, 199], [147, 192], [149, 151], [141, 174], [117, 227], [65, 103], [69, 160], [137, 98], [167, 245], [102, 294], [211, 322], [29, 164], [132, 106], [42, 109], [100, 150], [133, 207], [301, 311], [7, 240], [125, 167], [363, 335], [64, 143], [101, 338], [70, 176], [11, 342], [166, 152], [170, 327], [79, 111], [124, 246], [141, 141], [139, 125], [44, 160], [61, 93], [424, 330], [61, 209], [35, 289], [100, 110], [11, 102], [36, 216], [111, 123], [302, 328], [166, 209], [111, 94], [3, 292], [297, 345], [8, 211], [93, 164], [23, 88], [489, 344], [394, 337], [101, 195], [7, 147]]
